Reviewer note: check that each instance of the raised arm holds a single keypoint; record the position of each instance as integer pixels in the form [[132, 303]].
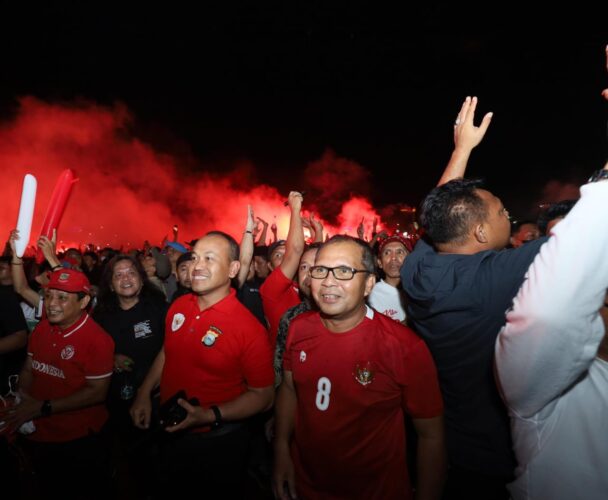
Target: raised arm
[[294, 246], [553, 332], [246, 249], [263, 234], [317, 227], [466, 137], [48, 249], [20, 283]]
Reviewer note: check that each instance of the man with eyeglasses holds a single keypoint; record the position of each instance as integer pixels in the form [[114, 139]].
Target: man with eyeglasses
[[350, 375]]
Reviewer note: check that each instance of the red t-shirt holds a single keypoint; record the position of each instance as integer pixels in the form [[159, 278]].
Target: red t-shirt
[[279, 293], [215, 354], [62, 362], [353, 389]]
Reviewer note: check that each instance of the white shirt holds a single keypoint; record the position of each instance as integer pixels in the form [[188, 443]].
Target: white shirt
[[555, 387], [388, 300]]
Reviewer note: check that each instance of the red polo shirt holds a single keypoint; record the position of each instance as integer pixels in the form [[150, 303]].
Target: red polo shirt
[[215, 354], [62, 362], [279, 293]]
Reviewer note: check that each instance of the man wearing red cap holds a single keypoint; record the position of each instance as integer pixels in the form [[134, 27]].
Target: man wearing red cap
[[386, 296], [63, 386]]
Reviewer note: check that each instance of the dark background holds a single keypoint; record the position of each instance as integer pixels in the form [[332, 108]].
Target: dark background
[[277, 83]]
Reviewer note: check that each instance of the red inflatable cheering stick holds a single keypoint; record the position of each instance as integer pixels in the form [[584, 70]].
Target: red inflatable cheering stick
[[54, 212]]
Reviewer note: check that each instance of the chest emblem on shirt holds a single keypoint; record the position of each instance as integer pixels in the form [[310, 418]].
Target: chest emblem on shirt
[[143, 329], [211, 336], [178, 321], [302, 356], [364, 372], [67, 352]]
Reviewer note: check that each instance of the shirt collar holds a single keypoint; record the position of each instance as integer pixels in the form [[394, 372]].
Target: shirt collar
[[225, 305], [72, 329]]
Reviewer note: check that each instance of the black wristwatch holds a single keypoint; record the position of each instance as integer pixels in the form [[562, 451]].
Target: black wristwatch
[[218, 417], [46, 409], [599, 175]]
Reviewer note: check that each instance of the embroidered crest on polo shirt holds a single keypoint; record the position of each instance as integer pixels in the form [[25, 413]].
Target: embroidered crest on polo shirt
[[302, 356], [178, 321], [364, 372], [211, 336], [68, 352]]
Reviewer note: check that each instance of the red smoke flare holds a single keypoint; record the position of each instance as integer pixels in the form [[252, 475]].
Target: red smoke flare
[[128, 192]]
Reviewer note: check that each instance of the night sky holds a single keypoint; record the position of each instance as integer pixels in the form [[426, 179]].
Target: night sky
[[277, 84]]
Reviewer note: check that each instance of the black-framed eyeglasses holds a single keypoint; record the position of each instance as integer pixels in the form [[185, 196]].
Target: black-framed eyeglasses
[[342, 273]]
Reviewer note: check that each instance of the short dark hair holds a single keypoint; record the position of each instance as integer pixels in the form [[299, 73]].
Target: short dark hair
[[93, 255], [261, 251], [367, 255], [449, 210], [555, 211], [185, 257], [234, 246]]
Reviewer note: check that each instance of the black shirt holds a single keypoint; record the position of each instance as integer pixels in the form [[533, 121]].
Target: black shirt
[[457, 304], [11, 321], [138, 333], [249, 296]]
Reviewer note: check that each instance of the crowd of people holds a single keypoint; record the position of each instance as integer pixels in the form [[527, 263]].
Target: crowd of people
[[469, 361]]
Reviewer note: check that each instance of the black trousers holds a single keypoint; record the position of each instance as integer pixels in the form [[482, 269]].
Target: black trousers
[[74, 469], [209, 466], [465, 484]]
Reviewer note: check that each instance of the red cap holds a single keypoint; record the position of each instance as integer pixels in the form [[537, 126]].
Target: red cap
[[399, 238], [69, 280]]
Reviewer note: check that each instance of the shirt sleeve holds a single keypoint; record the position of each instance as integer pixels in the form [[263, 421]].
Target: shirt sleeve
[[257, 358], [421, 393], [100, 362], [554, 329], [502, 274]]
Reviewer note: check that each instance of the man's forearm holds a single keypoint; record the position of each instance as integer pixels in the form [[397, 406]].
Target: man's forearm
[[285, 411], [12, 342], [152, 379], [457, 165], [91, 394], [431, 466], [251, 402]]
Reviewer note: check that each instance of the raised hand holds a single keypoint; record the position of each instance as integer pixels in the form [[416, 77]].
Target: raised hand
[[361, 229], [466, 134]]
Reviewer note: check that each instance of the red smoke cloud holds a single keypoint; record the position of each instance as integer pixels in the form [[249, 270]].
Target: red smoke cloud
[[128, 192]]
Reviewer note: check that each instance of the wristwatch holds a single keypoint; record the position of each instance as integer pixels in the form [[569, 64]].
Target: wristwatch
[[46, 409], [218, 417], [599, 175]]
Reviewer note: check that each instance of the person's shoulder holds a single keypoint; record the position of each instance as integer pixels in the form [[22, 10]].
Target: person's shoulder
[[181, 304], [97, 333], [274, 280], [399, 332], [306, 318], [239, 317], [306, 324]]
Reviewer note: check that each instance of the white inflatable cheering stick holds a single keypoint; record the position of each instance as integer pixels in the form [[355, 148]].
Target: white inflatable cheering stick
[[26, 213]]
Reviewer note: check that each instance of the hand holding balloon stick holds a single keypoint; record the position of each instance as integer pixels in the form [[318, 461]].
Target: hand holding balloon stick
[[56, 207]]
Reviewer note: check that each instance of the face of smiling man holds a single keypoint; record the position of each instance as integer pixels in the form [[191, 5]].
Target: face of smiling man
[[342, 302], [63, 308], [212, 269], [126, 281]]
